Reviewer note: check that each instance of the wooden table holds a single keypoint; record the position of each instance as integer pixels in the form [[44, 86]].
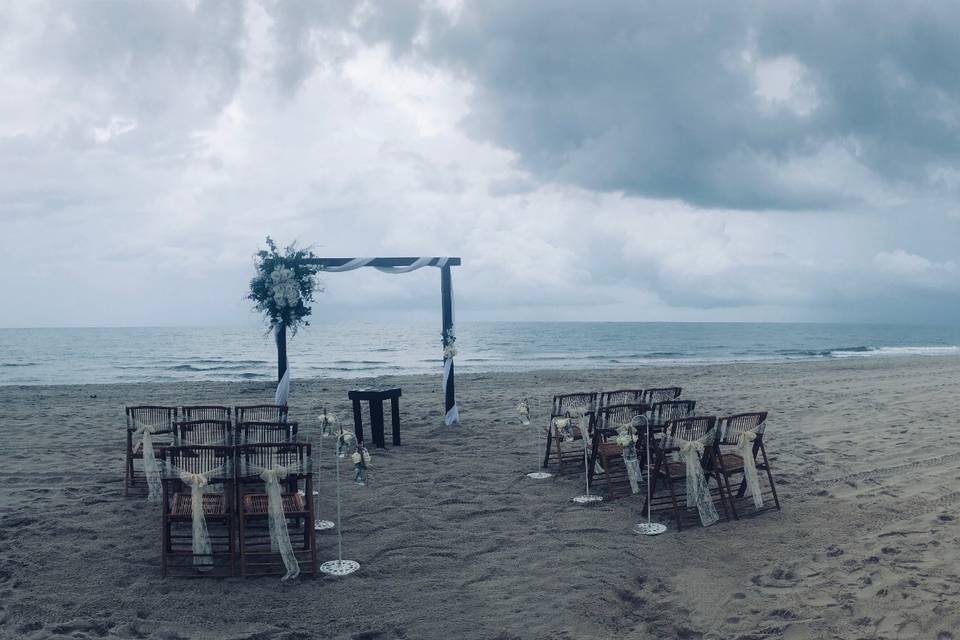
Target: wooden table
[[375, 398]]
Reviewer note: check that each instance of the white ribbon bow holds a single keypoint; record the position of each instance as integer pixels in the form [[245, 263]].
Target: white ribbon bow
[[202, 549], [698, 491], [745, 442], [279, 534], [150, 467]]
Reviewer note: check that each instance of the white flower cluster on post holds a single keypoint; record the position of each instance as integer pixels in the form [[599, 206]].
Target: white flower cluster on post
[[284, 288]]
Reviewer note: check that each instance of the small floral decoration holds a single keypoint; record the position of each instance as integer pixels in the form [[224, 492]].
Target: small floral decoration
[[326, 421], [284, 285], [523, 410], [344, 438], [449, 344], [361, 460]]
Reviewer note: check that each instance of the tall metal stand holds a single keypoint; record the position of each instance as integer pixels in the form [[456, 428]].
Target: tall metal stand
[[649, 528], [339, 567], [319, 524]]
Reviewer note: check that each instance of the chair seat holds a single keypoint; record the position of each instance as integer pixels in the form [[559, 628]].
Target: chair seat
[[257, 503], [677, 469], [213, 505], [732, 461]]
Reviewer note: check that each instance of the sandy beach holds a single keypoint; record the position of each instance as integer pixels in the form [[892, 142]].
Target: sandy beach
[[455, 542]]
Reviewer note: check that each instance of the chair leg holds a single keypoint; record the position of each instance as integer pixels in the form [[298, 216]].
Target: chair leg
[[164, 542], [241, 525], [673, 497], [766, 464], [546, 456], [722, 474]]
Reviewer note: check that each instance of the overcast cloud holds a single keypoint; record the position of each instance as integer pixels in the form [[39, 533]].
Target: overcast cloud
[[589, 161]]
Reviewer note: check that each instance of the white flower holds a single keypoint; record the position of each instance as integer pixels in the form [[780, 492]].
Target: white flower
[[449, 352], [356, 457], [366, 457], [283, 287], [624, 440], [561, 423], [523, 409]]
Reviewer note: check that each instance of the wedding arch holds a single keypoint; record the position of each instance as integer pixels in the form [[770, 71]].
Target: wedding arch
[[392, 265]]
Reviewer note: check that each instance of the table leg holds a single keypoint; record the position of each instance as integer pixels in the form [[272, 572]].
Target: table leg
[[395, 419], [376, 423], [357, 421]]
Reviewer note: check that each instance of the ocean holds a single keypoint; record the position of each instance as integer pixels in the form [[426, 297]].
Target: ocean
[[363, 349]]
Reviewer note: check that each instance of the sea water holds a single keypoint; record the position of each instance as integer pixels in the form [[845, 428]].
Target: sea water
[[363, 349]]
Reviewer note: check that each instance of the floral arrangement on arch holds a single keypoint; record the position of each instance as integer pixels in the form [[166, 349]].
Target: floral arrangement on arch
[[284, 285]]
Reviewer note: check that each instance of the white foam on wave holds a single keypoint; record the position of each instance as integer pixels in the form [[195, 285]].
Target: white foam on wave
[[899, 351]]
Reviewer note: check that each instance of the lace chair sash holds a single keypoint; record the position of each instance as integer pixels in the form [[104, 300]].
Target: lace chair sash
[[745, 442], [698, 491]]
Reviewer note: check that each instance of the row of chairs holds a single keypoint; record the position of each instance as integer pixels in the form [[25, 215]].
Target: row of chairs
[[722, 460], [662, 404], [235, 508], [164, 423], [599, 415]]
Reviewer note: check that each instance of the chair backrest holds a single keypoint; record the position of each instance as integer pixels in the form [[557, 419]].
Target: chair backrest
[[733, 426], [163, 419], [264, 431], [691, 428], [205, 412], [653, 396], [213, 432], [261, 413], [197, 458], [610, 418], [620, 396], [563, 404], [662, 412], [293, 455]]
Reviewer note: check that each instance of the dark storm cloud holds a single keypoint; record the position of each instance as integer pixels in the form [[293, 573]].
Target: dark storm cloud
[[673, 100]]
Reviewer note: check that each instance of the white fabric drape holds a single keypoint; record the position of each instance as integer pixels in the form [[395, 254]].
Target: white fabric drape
[[201, 546], [357, 263], [151, 469], [745, 442], [698, 491], [279, 534], [283, 389]]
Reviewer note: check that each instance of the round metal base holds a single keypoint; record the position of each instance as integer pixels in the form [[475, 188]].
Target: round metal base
[[340, 567], [322, 525], [588, 499], [539, 475], [649, 528]]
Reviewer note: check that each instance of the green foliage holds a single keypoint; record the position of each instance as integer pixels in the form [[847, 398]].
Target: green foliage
[[272, 291]]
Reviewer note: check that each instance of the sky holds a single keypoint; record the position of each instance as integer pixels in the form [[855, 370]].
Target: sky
[[623, 161]]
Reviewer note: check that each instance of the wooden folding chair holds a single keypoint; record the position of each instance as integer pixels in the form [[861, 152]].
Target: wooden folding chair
[[162, 420], [653, 396], [663, 412], [264, 431], [607, 452], [177, 510], [260, 413], [256, 557], [669, 473], [729, 456], [205, 432], [563, 406], [620, 396], [206, 412]]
